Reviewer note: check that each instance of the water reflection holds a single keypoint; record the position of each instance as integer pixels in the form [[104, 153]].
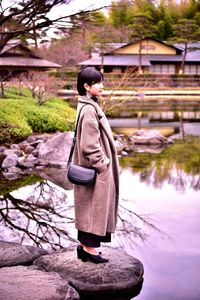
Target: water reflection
[[38, 215], [158, 217], [179, 165], [174, 258], [42, 214], [178, 124]]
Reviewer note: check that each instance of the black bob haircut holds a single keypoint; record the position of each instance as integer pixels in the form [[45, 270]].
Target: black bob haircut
[[88, 75]]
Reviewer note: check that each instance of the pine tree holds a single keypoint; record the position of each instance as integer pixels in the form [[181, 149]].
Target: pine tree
[[186, 31], [141, 28]]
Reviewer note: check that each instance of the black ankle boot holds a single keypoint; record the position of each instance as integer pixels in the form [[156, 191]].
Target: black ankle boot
[[85, 256], [79, 251]]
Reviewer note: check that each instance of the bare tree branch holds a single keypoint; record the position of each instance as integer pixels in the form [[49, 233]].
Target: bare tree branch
[[30, 15]]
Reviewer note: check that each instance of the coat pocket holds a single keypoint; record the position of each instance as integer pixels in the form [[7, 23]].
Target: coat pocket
[[103, 175]]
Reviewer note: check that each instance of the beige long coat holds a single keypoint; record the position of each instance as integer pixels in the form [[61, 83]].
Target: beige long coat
[[96, 206]]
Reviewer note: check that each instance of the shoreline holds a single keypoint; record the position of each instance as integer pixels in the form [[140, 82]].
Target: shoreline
[[191, 94]]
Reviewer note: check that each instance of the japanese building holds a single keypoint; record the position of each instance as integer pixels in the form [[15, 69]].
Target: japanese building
[[16, 57], [156, 57]]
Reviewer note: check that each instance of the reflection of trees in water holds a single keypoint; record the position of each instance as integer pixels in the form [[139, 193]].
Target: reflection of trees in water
[[132, 226], [181, 182], [178, 165], [43, 217], [172, 174], [158, 175]]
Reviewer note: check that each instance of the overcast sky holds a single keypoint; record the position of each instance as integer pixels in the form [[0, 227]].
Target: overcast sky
[[82, 4], [73, 7]]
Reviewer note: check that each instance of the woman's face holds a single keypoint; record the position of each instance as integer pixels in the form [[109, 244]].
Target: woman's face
[[95, 89]]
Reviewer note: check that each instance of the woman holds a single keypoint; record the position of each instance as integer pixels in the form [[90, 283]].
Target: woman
[[96, 206]]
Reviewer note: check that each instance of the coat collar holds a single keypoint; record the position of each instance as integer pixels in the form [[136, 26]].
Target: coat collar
[[86, 100], [103, 121]]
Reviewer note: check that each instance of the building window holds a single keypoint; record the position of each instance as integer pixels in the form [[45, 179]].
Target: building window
[[192, 69], [162, 69]]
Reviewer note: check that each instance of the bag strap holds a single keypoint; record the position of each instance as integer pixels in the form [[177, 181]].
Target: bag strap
[[74, 138]]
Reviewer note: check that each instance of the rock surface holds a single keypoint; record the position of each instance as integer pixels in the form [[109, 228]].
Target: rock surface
[[55, 175], [12, 254], [29, 283], [56, 149], [9, 161], [61, 276], [53, 150], [121, 273], [38, 150], [149, 137]]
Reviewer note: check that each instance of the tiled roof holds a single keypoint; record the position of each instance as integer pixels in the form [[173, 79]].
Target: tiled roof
[[11, 44], [26, 62], [30, 60], [117, 60], [130, 60], [191, 57]]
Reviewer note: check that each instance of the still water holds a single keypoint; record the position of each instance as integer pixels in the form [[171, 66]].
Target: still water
[[159, 218], [171, 256]]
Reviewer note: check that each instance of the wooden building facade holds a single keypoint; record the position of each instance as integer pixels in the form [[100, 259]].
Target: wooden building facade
[[156, 57]]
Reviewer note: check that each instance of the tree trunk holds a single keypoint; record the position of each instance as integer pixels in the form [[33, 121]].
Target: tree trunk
[[102, 63], [182, 68], [35, 38], [140, 58], [2, 94]]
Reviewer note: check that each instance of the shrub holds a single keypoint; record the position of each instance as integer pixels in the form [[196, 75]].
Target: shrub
[[20, 116], [13, 126]]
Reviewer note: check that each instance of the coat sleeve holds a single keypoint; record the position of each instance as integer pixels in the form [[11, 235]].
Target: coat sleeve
[[90, 141]]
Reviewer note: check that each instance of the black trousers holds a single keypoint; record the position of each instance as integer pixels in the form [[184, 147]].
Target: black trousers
[[93, 240]]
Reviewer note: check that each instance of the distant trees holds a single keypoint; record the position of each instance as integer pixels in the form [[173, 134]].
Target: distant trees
[[164, 14], [121, 13], [185, 31], [69, 50], [141, 28]]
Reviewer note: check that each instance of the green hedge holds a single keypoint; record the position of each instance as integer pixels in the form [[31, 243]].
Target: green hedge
[[21, 116]]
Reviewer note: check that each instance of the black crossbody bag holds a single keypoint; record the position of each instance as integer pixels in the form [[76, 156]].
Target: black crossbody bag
[[78, 174]]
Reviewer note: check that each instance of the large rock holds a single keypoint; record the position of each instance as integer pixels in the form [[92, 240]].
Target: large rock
[[149, 137], [10, 161], [56, 175], [121, 274], [12, 173], [30, 283], [2, 157], [12, 151], [12, 254], [56, 150]]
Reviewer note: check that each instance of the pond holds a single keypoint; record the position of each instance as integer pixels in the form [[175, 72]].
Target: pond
[[159, 215], [171, 252]]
